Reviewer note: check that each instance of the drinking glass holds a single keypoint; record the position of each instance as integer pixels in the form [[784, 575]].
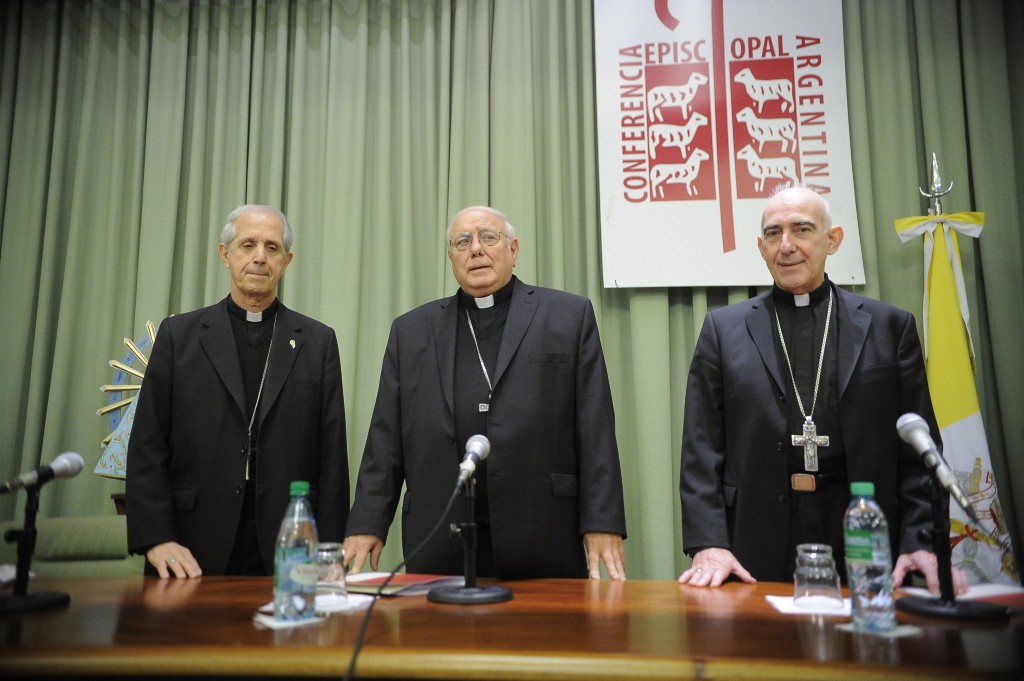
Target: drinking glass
[[815, 580], [330, 562]]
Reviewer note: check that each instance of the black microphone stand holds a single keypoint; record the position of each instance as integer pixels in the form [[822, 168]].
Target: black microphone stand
[[20, 600], [946, 605], [470, 593]]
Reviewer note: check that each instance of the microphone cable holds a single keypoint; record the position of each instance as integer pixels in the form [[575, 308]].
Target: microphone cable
[[366, 619]]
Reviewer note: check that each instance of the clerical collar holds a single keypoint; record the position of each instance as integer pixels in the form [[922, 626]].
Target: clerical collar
[[240, 312], [818, 295], [485, 302]]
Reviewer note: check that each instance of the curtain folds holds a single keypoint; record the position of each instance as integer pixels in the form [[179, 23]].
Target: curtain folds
[[129, 129]]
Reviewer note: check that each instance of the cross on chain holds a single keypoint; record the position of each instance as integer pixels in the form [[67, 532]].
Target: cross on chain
[[810, 441]]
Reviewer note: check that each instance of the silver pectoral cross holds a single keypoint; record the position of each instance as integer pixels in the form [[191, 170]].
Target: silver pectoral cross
[[810, 441]]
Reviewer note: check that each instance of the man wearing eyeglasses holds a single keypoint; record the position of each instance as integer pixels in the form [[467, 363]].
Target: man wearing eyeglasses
[[523, 366]]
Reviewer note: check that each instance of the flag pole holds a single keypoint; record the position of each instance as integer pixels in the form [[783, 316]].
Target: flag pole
[[937, 192]]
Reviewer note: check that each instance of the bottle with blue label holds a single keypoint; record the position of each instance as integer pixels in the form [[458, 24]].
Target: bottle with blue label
[[295, 569], [868, 562]]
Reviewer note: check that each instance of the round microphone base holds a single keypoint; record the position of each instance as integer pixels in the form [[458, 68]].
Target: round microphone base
[[33, 601], [937, 607], [489, 593]]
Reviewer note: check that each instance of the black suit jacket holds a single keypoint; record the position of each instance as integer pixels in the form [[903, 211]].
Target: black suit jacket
[[553, 471], [734, 482], [186, 470]]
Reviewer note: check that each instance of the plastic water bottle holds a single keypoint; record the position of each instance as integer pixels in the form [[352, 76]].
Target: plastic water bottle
[[295, 569], [868, 562]]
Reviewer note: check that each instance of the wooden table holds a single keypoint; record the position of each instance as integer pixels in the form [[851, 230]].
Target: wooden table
[[551, 629]]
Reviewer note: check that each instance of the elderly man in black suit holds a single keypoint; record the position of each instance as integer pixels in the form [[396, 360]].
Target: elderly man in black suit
[[523, 366], [806, 352], [239, 399]]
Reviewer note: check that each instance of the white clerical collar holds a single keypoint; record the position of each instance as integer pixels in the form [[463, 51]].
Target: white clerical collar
[[801, 299], [254, 316], [485, 302]]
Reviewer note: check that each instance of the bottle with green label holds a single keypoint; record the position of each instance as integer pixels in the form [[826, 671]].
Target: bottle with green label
[[295, 570], [868, 561]]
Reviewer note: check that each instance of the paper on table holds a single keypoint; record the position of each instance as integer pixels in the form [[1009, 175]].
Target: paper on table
[[974, 591], [785, 605], [334, 602], [402, 584], [272, 622], [326, 604]]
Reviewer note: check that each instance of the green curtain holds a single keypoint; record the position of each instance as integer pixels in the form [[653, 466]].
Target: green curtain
[[128, 131]]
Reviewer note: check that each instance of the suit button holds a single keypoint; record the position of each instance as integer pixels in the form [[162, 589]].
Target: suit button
[[781, 498], [778, 446], [239, 490]]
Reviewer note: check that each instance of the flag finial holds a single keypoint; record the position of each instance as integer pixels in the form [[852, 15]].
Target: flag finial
[[936, 188]]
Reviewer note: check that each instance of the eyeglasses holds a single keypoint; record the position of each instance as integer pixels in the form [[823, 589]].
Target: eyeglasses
[[488, 237]]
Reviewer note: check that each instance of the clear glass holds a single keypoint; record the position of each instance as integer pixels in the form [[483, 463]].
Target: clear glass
[[330, 562], [815, 580]]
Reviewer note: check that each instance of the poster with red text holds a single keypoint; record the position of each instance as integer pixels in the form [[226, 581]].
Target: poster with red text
[[703, 108]]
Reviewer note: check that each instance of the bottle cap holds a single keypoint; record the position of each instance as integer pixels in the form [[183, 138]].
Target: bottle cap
[[862, 489], [299, 487]]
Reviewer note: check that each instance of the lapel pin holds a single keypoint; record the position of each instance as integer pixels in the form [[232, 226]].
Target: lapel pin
[[292, 343]]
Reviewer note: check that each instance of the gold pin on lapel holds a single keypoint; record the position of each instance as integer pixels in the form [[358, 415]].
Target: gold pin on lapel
[[292, 343]]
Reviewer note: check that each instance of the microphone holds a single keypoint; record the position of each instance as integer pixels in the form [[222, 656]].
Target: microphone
[[478, 447], [914, 431], [67, 465]]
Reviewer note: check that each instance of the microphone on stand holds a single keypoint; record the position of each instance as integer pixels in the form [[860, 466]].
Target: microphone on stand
[[478, 448], [914, 431], [67, 465]]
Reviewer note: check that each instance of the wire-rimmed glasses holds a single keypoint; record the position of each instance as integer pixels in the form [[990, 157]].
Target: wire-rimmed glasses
[[487, 237]]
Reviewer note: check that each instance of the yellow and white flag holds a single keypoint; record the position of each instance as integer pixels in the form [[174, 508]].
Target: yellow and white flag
[[983, 553]]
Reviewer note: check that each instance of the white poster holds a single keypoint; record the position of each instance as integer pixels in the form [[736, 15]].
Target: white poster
[[703, 107]]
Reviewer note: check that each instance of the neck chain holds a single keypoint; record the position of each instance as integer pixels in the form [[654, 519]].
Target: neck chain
[[250, 450], [483, 406], [809, 440]]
